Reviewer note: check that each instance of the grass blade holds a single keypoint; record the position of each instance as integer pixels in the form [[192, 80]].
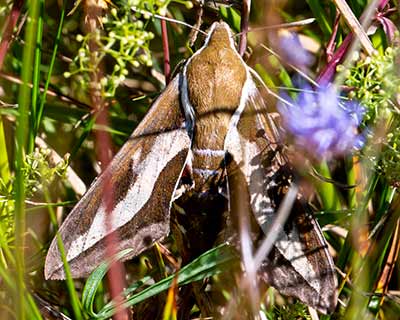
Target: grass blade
[[21, 137]]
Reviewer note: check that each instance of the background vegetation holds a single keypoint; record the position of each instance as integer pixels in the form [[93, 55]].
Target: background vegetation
[[50, 123]]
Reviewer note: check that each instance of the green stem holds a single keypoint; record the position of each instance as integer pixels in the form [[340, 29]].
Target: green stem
[[32, 308], [319, 12], [70, 283], [326, 190], [39, 114], [4, 167], [6, 248], [36, 77], [351, 181], [21, 137]]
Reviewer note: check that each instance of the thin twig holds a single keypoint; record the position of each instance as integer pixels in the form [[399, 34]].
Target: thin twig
[[49, 92], [332, 43], [390, 264], [244, 26], [329, 70], [287, 25], [199, 18], [355, 25], [144, 12], [294, 67]]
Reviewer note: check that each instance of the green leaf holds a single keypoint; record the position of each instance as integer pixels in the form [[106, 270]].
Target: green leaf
[[231, 16], [212, 262], [319, 13], [95, 279]]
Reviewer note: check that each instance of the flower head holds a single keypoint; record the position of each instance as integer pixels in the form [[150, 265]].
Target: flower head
[[292, 50], [320, 123]]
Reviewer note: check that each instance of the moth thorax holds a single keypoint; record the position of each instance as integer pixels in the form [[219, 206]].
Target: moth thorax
[[215, 79], [216, 76]]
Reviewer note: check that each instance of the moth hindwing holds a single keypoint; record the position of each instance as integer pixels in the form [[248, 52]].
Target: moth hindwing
[[212, 111]]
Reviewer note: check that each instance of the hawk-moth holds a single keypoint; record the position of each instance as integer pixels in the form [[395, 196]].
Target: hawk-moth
[[210, 121]]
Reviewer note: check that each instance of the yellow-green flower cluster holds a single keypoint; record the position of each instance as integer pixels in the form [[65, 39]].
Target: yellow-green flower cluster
[[123, 45], [375, 82]]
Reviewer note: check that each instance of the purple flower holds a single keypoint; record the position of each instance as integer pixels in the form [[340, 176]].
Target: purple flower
[[321, 123], [293, 52]]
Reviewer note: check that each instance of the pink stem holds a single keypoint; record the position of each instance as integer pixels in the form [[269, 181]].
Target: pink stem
[[116, 274], [9, 28], [167, 63]]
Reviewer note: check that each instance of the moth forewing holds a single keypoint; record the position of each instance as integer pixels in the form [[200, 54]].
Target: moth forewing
[[144, 176], [300, 264]]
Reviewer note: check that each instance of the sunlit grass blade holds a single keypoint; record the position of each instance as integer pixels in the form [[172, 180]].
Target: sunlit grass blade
[[94, 281], [4, 166], [22, 131], [354, 25], [36, 77], [69, 281], [39, 113], [320, 14], [217, 260], [86, 131], [170, 309]]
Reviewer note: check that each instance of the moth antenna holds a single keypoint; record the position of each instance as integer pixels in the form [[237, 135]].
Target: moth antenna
[[288, 25], [144, 12]]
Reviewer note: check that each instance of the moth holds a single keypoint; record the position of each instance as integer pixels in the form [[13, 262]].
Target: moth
[[210, 122]]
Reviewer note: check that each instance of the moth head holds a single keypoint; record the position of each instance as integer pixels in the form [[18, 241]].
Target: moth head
[[219, 34]]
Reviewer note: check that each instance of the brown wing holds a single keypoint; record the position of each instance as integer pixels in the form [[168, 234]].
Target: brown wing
[[144, 176], [299, 264]]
